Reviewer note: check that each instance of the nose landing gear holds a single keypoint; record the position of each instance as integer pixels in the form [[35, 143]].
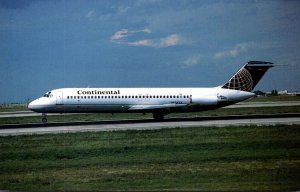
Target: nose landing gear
[[44, 118]]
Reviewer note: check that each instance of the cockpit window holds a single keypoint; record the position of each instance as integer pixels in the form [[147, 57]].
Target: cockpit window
[[48, 94]]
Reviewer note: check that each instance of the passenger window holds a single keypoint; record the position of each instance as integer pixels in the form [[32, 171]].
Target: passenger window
[[67, 97], [85, 97]]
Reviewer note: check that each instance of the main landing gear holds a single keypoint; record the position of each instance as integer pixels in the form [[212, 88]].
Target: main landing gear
[[44, 117], [158, 115]]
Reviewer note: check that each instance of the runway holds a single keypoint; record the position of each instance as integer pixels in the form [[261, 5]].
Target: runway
[[151, 125]]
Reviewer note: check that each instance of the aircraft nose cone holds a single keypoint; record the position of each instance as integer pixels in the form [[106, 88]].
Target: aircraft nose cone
[[34, 106], [31, 106]]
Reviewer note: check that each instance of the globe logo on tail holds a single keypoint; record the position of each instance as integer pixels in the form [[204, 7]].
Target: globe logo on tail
[[242, 81]]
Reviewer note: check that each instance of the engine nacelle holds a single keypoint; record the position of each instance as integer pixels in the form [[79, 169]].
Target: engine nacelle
[[204, 100]]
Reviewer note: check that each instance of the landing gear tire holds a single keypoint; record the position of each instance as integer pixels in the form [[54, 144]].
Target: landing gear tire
[[44, 118], [158, 116]]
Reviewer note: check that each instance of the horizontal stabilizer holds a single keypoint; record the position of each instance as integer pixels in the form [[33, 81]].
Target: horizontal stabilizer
[[260, 62]]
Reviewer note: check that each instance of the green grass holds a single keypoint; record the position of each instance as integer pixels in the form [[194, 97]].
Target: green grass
[[274, 99], [253, 158], [13, 107]]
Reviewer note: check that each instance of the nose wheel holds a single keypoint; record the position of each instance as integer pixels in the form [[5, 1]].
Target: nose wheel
[[44, 118]]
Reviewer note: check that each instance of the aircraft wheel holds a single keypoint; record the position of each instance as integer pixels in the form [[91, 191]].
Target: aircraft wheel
[[44, 120], [158, 116]]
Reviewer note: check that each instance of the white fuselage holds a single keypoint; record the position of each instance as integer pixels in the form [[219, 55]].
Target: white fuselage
[[114, 100]]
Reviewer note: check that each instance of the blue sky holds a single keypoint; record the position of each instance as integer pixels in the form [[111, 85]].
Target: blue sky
[[144, 43]]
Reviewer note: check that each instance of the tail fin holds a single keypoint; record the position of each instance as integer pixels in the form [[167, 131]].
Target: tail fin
[[248, 76]]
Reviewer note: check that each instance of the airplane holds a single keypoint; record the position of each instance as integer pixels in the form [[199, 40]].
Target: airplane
[[158, 101]]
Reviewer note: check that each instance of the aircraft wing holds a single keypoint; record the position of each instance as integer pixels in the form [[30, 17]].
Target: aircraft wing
[[150, 107]]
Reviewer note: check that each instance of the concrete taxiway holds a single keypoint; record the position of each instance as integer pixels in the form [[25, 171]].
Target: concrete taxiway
[[150, 125]]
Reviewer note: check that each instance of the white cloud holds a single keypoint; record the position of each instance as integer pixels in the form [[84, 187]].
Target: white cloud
[[90, 14], [122, 37], [123, 9], [146, 30], [122, 34], [144, 42], [192, 60], [245, 46], [169, 41], [235, 51], [119, 35]]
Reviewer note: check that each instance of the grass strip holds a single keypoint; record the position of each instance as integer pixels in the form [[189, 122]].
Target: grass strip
[[245, 158]]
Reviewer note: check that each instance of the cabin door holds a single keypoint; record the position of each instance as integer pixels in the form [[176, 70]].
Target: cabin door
[[59, 98]]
